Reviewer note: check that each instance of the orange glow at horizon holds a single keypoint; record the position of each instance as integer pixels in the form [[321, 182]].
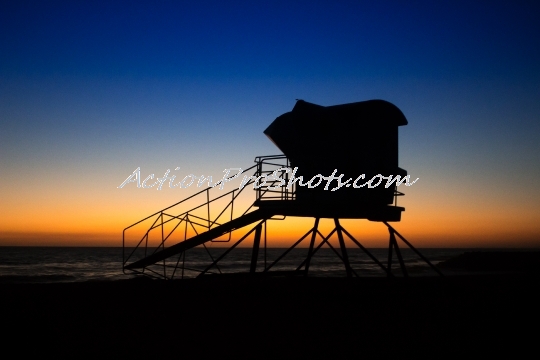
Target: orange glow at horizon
[[421, 232], [74, 214]]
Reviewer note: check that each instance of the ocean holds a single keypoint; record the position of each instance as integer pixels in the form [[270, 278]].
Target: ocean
[[75, 264]]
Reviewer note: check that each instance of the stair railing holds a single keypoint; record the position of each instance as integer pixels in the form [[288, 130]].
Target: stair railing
[[198, 219]]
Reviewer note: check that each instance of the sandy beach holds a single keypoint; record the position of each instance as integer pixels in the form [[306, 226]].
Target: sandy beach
[[274, 318]]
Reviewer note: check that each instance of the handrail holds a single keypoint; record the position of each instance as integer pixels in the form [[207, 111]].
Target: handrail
[[189, 219], [178, 203]]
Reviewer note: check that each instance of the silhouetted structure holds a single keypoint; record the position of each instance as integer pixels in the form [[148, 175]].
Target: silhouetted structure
[[350, 139], [354, 139]]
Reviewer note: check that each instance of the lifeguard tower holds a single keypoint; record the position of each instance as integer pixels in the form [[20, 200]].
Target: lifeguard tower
[[358, 140]]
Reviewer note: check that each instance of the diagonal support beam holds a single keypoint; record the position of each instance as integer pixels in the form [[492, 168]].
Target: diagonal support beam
[[367, 252], [287, 251], [230, 249], [414, 249], [325, 239]]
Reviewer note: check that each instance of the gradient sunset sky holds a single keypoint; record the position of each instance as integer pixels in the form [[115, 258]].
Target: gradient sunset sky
[[91, 90]]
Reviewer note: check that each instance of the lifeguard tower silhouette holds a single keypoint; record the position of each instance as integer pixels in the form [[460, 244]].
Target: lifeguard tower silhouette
[[354, 139]]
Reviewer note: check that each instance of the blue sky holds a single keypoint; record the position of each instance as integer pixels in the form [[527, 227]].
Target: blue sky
[[89, 91]]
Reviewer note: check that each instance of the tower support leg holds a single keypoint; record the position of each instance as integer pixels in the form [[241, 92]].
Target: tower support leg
[[311, 244], [343, 249], [393, 244], [390, 251], [255, 252]]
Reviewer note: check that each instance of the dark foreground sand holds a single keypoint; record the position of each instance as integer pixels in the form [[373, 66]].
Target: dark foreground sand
[[278, 318]]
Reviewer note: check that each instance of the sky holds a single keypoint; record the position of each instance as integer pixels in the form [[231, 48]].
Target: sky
[[92, 90]]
